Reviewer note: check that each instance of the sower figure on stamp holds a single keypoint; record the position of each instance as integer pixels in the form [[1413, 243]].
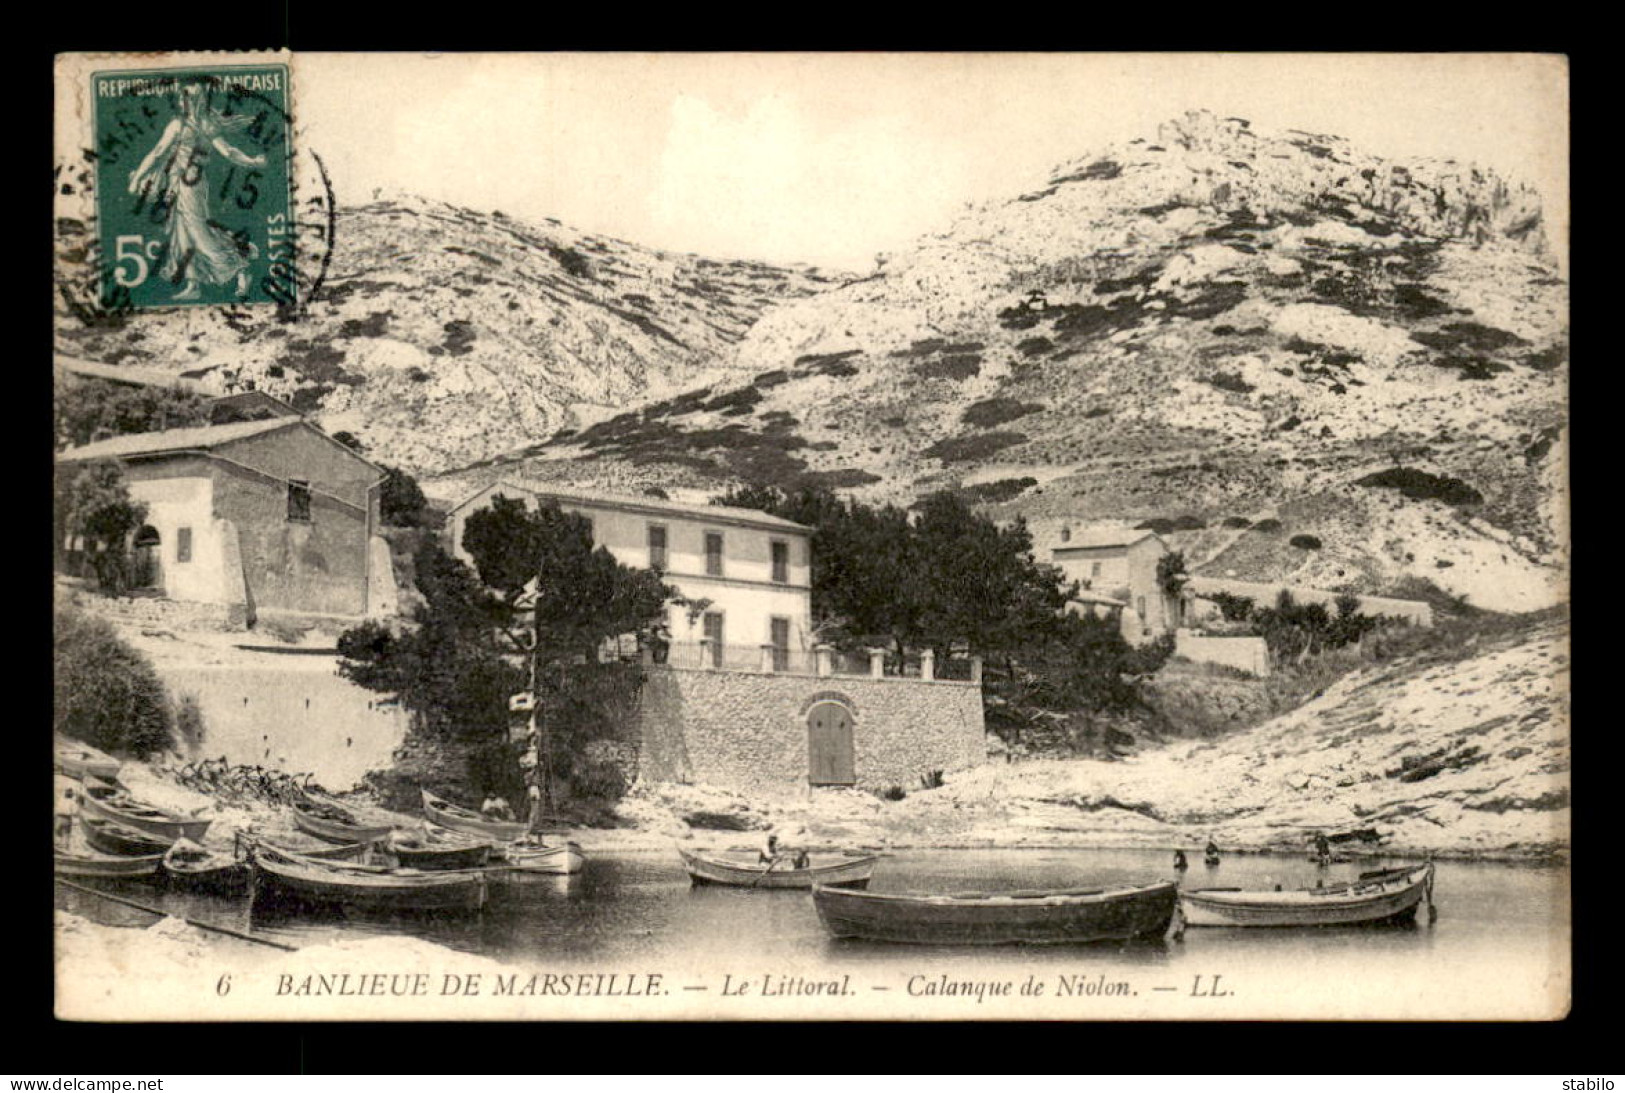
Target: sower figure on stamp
[[197, 248]]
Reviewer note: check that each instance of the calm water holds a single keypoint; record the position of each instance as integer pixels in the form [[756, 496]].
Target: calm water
[[1500, 927]]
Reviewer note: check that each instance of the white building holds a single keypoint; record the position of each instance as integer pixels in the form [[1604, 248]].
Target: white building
[[746, 575]]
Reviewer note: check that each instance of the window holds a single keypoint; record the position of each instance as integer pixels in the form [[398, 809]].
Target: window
[[713, 634], [781, 562], [1139, 605], [1094, 570], [779, 636], [657, 547], [183, 544], [713, 553], [299, 501], [1066, 535]]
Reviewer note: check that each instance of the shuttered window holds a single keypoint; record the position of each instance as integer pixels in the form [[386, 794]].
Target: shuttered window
[[657, 547], [299, 501], [781, 562], [713, 553], [183, 544]]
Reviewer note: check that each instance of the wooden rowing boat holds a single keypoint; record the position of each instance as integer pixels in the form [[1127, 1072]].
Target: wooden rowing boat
[[443, 812], [115, 838], [1384, 896], [196, 867], [1118, 913], [829, 870], [438, 849], [80, 760], [367, 887], [334, 823], [558, 859], [112, 802], [89, 863]]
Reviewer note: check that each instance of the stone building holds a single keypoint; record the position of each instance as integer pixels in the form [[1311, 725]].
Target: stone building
[[745, 575], [1117, 567], [259, 517]]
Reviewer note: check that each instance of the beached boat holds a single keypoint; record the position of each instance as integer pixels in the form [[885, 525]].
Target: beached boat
[[89, 863], [81, 760], [437, 849], [200, 868], [1383, 896], [112, 802], [334, 823], [830, 870], [115, 838], [555, 859], [367, 886], [1117, 913], [457, 818]]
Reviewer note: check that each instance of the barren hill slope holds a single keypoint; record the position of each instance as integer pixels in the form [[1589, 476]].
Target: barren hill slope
[[444, 335], [1210, 328]]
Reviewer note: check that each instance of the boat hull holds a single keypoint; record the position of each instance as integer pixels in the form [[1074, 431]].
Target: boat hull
[[316, 881], [118, 839], [192, 868], [336, 831], [830, 872], [443, 858], [1371, 903], [81, 760], [1039, 918], [101, 800], [457, 818], [561, 859], [99, 865]]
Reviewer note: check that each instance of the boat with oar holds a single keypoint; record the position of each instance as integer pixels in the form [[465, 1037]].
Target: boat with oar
[[440, 811], [79, 760], [1379, 897], [371, 887], [111, 837], [1109, 913], [438, 848], [845, 870], [110, 801], [332, 822], [91, 863], [200, 868]]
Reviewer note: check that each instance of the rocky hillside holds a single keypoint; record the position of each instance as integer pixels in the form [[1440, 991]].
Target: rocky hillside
[[442, 336], [1303, 362]]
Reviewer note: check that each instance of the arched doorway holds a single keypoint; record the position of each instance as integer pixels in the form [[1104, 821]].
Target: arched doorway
[[829, 745], [146, 559]]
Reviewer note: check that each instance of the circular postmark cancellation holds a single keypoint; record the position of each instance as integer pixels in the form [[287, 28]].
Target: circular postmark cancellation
[[197, 195]]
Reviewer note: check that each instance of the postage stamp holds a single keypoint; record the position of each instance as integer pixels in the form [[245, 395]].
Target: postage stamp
[[192, 182]]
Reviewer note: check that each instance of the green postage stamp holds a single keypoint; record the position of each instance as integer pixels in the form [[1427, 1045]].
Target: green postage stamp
[[192, 170]]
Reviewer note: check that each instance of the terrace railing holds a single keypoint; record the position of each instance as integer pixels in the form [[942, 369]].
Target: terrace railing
[[821, 660]]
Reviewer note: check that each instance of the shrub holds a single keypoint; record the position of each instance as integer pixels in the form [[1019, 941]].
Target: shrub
[[1419, 485], [107, 693], [1305, 542], [893, 793], [960, 366], [960, 448], [1236, 521], [1232, 607], [401, 502], [997, 411], [1230, 381], [931, 779], [1269, 523]]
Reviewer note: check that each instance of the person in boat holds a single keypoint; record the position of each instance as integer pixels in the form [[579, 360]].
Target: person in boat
[[67, 809], [496, 808], [1179, 861], [801, 860], [1323, 848], [1211, 853], [769, 853]]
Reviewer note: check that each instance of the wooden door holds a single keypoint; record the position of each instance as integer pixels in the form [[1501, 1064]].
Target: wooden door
[[829, 746]]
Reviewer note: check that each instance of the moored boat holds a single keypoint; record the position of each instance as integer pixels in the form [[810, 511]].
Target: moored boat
[[111, 837], [1383, 896], [334, 823], [90, 863], [555, 859], [200, 868], [369, 887], [1115, 913], [438, 850], [112, 802], [79, 760], [457, 818], [829, 870]]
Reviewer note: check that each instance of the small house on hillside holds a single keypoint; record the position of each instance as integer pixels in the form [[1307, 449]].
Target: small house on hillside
[[753, 568], [269, 516], [1117, 565]]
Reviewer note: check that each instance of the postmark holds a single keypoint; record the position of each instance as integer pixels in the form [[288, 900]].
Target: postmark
[[193, 172]]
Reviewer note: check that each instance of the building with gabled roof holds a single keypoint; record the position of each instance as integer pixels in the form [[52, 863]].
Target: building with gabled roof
[[1114, 563], [269, 516]]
